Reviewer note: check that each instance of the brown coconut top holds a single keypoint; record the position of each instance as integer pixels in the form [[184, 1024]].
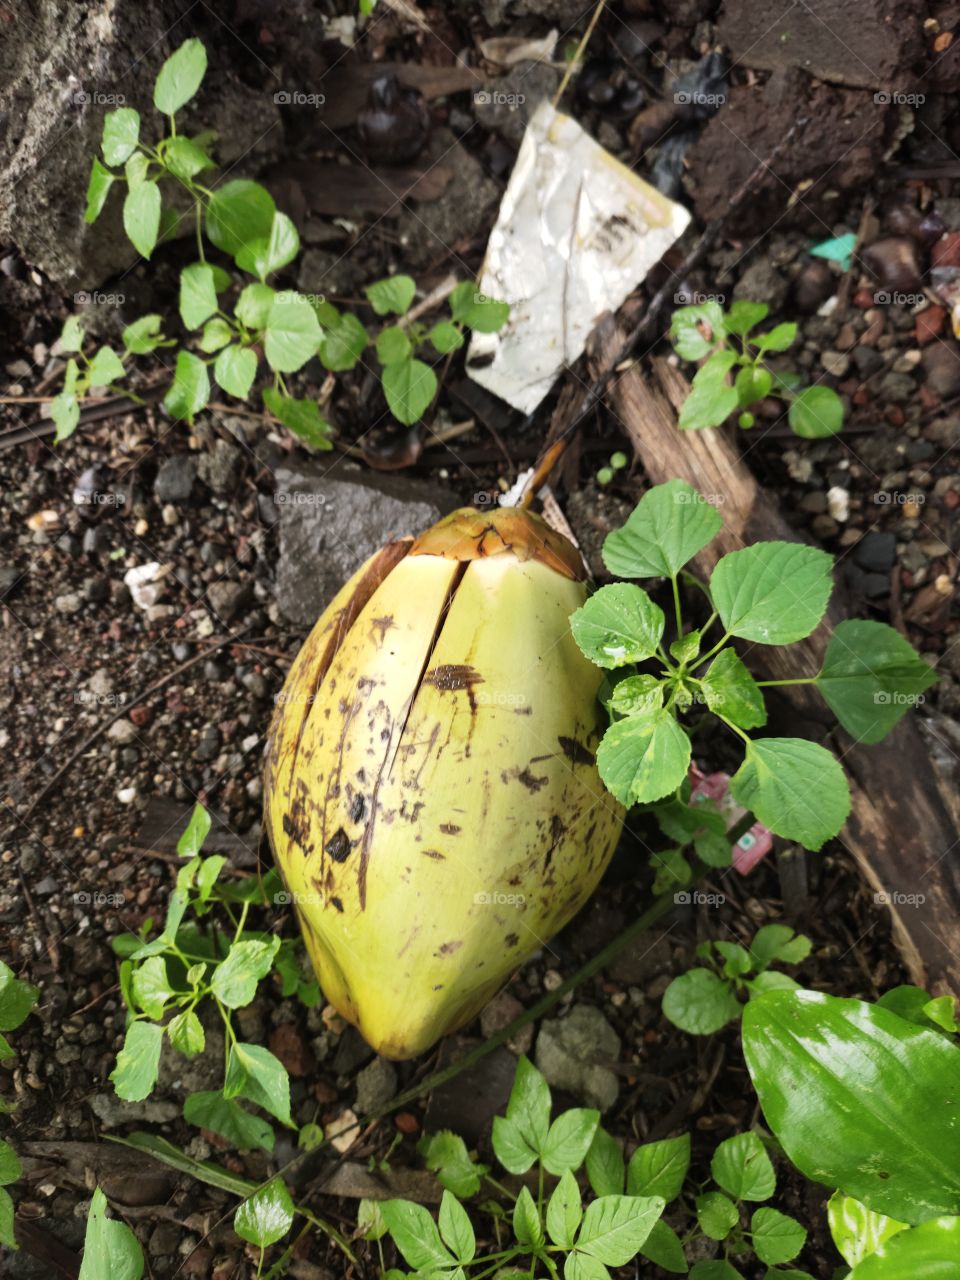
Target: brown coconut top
[[469, 534]]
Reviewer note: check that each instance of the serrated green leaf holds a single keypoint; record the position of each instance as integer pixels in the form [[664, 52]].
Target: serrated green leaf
[[238, 212], [871, 677], [700, 1003], [136, 169], [266, 1216], [794, 787], [528, 1107], [138, 1062], [302, 417], [779, 338], [185, 1032], [772, 592], [391, 296], [121, 133], [642, 759], [190, 390], [211, 1110], [637, 695], [619, 624], [776, 1237], [816, 412], [393, 345], [615, 1227], [717, 1214], [415, 1234], [446, 1155], [180, 77], [143, 335], [659, 1168], [409, 386], [141, 217], [235, 369], [235, 979], [254, 1073], [98, 188], [446, 337], [744, 315], [711, 399], [741, 1166], [732, 692], [198, 297], [292, 333], [151, 987], [510, 1147], [253, 305], [185, 159], [669, 525], [687, 325]]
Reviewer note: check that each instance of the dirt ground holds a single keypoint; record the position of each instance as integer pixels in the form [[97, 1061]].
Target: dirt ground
[[118, 716]]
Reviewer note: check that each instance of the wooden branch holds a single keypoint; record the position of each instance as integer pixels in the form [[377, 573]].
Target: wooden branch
[[902, 831]]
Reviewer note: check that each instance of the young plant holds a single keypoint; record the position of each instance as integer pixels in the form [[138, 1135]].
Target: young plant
[[703, 1000], [552, 1231], [770, 593], [16, 1000], [234, 330], [860, 1099], [726, 343]]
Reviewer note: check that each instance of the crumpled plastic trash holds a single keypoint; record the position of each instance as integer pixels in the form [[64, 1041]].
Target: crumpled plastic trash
[[576, 232]]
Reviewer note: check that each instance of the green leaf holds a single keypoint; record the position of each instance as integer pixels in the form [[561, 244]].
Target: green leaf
[[71, 335], [446, 1154], [942, 1012], [302, 417], [780, 338], [778, 942], [528, 1107], [839, 1080], [510, 1147], [198, 297], [605, 1164], [121, 133], [455, 1228], [857, 1231], [776, 1237], [716, 1214], [195, 833], [672, 871], [409, 386], [98, 188], [686, 329], [136, 169], [105, 368], [141, 217], [744, 316], [568, 1140], [110, 1249], [10, 1166], [65, 412], [253, 1072], [642, 759], [576, 1266], [732, 692], [391, 296], [235, 369], [669, 525], [664, 1248], [185, 159], [138, 1062], [180, 77], [151, 987], [794, 787], [190, 389], [16, 999], [446, 337], [772, 592], [237, 213], [292, 333], [736, 959], [751, 384], [393, 345], [711, 400], [637, 695], [659, 1168], [721, 1270], [217, 333], [564, 1211], [267, 1216], [7, 1232], [927, 1252], [143, 335], [475, 310], [370, 1221], [235, 979], [700, 1003], [185, 1032], [416, 1235], [527, 1226], [816, 412], [262, 256], [870, 677], [343, 344], [619, 624], [253, 305], [227, 1118], [615, 1227]]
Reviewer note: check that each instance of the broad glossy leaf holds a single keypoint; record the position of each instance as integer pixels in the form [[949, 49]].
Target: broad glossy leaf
[[772, 592], [266, 1216], [700, 1003], [110, 1249], [870, 677], [614, 1227], [254, 1072], [794, 787], [239, 212], [180, 77], [732, 692], [856, 1230], [927, 1252], [839, 1081], [619, 624], [659, 1168], [642, 759], [211, 1110], [669, 525]]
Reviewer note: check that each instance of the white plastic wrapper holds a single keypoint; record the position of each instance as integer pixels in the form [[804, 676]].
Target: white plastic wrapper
[[576, 232]]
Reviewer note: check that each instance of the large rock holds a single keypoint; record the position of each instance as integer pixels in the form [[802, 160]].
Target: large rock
[[570, 1051], [334, 518]]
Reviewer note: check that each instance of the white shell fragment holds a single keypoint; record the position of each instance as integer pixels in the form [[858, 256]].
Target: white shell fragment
[[576, 232]]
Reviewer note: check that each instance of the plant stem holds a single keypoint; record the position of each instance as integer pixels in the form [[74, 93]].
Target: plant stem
[[676, 605], [716, 648], [767, 684]]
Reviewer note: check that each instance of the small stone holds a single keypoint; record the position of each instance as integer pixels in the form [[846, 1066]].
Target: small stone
[[256, 684], [376, 1085], [946, 252], [838, 503], [227, 599], [287, 1044], [127, 795], [876, 552], [499, 1013], [836, 363], [70, 603], [929, 324], [220, 469], [567, 1049], [941, 363], [343, 1131], [893, 262], [170, 515], [174, 479], [762, 282], [123, 731], [46, 887], [813, 285]]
